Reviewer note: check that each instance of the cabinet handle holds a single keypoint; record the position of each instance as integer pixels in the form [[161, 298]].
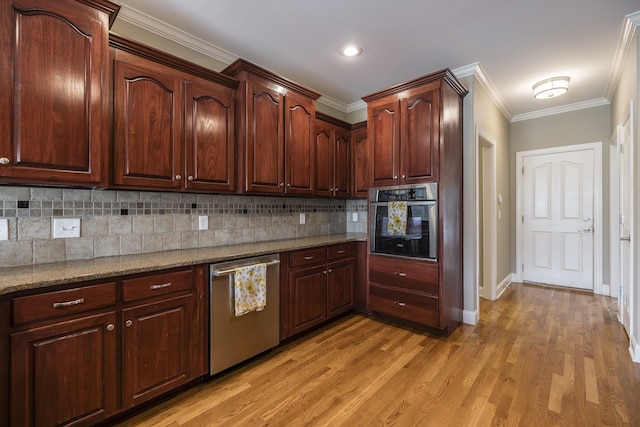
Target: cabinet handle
[[308, 258], [128, 323], [324, 272], [404, 176], [68, 303], [342, 251], [4, 161], [178, 177], [395, 176], [400, 303], [329, 271], [289, 185], [401, 274], [162, 286], [282, 184], [110, 327], [190, 178]]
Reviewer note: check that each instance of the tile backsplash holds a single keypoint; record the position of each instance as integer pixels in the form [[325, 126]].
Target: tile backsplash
[[128, 222]]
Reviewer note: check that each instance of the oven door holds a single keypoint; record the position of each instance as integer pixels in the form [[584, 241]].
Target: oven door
[[418, 240]]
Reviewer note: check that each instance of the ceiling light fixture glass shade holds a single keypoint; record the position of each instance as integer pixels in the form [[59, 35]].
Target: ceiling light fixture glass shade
[[550, 88], [351, 51]]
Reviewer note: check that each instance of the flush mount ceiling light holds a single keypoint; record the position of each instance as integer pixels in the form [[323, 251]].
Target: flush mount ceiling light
[[351, 50], [550, 88]]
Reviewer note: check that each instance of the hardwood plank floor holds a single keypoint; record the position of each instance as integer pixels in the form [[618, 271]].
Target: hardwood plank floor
[[540, 356]]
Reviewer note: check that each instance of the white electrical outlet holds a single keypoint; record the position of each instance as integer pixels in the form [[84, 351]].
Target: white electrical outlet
[[4, 229], [64, 228], [354, 216], [203, 222], [302, 218]]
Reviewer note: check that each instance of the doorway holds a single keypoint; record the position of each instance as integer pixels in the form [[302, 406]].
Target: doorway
[[486, 216], [559, 216]]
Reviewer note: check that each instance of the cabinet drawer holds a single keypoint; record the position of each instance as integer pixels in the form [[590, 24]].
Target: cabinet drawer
[[422, 309], [157, 285], [62, 303], [308, 257], [341, 251], [407, 274]]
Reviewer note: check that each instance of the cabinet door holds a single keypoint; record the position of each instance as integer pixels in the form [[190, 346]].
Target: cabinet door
[[299, 154], [156, 349], [52, 80], [64, 372], [265, 135], [420, 137], [209, 137], [384, 140], [340, 284], [147, 139], [360, 176], [308, 293], [342, 163], [324, 145]]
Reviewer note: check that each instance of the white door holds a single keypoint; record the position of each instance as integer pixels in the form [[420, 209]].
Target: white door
[[625, 156], [557, 208]]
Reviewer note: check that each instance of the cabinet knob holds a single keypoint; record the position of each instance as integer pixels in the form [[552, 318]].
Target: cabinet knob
[[282, 184], [395, 177], [128, 323], [110, 327], [190, 178], [178, 177], [289, 185], [4, 161], [404, 176]]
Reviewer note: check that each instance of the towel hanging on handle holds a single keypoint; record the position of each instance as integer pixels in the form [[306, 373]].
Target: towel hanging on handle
[[250, 291], [397, 222]]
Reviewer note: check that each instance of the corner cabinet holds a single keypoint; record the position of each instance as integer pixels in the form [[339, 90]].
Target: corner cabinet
[[275, 132], [332, 157], [415, 136], [174, 122], [84, 353], [54, 96]]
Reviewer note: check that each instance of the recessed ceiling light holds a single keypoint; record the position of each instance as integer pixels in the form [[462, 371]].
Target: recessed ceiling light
[[351, 50], [550, 88]]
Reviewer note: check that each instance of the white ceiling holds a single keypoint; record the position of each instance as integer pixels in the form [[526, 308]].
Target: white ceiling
[[514, 43]]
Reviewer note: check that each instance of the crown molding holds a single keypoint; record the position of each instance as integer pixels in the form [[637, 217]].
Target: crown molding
[[161, 28], [631, 23], [482, 77], [598, 102], [332, 103]]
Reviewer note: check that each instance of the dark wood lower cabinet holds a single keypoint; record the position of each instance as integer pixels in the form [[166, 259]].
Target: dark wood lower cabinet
[[308, 298], [64, 373], [74, 367]]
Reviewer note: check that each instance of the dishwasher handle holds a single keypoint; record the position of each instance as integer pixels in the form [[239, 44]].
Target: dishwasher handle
[[221, 273]]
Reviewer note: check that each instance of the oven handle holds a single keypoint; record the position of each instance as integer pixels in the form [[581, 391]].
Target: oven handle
[[221, 273]]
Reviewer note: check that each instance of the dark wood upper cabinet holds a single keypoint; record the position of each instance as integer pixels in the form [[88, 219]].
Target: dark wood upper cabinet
[[54, 95], [332, 157], [174, 122], [360, 161], [404, 129], [275, 132]]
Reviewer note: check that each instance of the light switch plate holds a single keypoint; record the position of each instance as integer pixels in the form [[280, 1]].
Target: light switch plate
[[203, 222], [4, 229], [64, 228], [302, 218]]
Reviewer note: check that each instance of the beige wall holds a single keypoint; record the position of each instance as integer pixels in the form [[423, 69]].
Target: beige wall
[[575, 127], [489, 118]]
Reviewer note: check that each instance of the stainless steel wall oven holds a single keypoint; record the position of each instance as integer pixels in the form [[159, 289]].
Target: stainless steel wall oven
[[404, 220]]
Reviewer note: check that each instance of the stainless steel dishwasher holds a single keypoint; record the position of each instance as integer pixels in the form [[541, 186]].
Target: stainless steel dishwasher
[[235, 339]]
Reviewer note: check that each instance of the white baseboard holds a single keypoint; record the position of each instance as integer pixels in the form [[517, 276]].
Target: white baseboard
[[470, 317], [504, 284], [634, 349]]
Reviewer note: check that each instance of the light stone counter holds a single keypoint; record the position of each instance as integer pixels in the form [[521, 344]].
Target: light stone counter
[[38, 276]]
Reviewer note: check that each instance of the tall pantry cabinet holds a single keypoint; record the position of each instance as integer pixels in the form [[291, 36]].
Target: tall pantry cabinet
[[415, 136]]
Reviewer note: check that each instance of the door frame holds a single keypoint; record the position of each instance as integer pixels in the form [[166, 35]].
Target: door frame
[[598, 287], [614, 215], [487, 182]]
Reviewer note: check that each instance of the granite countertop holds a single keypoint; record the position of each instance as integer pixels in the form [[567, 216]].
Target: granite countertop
[[38, 276]]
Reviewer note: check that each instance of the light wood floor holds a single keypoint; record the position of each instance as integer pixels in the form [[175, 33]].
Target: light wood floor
[[538, 357]]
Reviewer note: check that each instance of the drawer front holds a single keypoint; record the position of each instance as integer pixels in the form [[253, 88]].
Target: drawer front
[[406, 274], [157, 285], [346, 250], [308, 257], [422, 309], [62, 303]]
